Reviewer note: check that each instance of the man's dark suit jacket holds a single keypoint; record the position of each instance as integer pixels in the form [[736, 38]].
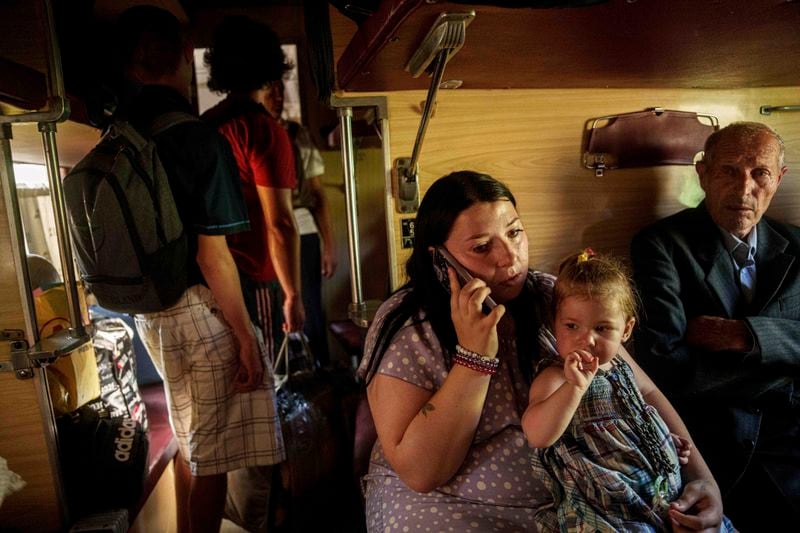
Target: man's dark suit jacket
[[683, 270]]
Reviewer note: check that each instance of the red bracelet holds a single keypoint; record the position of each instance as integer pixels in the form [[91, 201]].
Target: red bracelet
[[475, 361]]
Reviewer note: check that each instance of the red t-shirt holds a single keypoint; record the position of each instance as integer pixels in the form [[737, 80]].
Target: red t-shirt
[[265, 158]]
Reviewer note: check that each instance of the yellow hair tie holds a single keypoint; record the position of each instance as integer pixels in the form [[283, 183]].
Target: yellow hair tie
[[585, 255]]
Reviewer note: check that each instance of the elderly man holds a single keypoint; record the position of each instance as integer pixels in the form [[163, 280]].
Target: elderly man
[[720, 286]]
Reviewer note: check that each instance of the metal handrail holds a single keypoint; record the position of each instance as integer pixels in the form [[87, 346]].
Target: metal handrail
[[769, 109], [56, 107], [357, 304], [359, 310], [56, 110]]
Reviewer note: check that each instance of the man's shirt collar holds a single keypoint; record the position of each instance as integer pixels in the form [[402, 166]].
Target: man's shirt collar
[[732, 243]]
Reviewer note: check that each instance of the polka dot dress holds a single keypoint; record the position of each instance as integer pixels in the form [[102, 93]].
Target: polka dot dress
[[495, 489]]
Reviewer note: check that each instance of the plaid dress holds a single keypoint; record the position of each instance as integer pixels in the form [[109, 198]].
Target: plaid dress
[[615, 468]]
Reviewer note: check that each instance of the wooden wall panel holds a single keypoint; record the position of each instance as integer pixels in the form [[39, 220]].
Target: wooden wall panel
[[23, 442], [531, 139], [372, 229], [73, 141], [24, 445]]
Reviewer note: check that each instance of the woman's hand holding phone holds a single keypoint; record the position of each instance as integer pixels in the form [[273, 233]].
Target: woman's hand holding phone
[[442, 259], [475, 330]]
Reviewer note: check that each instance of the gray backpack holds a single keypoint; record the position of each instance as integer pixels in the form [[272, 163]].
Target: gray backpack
[[128, 238]]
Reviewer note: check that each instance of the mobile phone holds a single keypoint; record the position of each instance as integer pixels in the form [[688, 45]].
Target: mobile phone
[[441, 260]]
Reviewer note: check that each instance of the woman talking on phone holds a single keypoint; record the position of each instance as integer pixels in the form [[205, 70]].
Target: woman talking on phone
[[448, 376]]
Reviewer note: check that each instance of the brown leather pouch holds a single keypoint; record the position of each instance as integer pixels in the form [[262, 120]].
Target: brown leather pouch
[[646, 138]]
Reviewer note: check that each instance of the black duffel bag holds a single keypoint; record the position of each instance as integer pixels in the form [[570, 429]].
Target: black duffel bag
[[104, 460]]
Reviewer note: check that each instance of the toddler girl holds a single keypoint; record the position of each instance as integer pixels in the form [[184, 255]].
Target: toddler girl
[[605, 453]]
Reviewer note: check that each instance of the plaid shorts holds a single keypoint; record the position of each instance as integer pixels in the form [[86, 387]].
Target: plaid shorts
[[194, 349]]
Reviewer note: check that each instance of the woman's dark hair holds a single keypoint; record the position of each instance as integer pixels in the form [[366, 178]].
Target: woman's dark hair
[[245, 56], [444, 201]]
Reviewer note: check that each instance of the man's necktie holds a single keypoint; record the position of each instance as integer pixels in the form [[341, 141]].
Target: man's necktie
[[747, 271]]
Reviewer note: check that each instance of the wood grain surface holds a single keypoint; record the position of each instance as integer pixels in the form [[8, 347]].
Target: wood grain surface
[[23, 442], [531, 139]]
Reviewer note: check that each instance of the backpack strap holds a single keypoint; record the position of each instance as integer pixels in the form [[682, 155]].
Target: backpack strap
[[125, 129], [159, 125], [164, 122]]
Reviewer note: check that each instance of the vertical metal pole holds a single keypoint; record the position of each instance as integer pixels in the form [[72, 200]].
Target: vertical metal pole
[[9, 192], [357, 309], [391, 247], [48, 130], [55, 78]]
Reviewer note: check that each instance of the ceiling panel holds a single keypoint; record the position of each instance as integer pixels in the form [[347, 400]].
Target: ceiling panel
[[718, 44]]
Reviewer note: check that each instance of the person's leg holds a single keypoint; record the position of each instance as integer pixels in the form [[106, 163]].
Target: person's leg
[[207, 502], [767, 498], [755, 504], [158, 335], [249, 497], [183, 480], [311, 274]]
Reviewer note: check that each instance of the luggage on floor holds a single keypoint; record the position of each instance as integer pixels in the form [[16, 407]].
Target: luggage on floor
[[313, 490], [104, 460], [116, 364]]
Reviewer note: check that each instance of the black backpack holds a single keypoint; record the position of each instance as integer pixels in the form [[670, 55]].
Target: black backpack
[[129, 241]]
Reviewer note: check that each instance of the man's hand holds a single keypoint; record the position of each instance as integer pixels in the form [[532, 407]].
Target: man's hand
[[294, 314], [329, 262], [699, 508], [716, 334], [251, 365]]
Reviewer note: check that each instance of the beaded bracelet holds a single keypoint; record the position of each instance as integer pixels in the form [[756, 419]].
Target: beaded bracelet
[[475, 361]]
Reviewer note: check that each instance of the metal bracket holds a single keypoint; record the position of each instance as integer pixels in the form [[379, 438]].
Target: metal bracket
[[405, 182], [447, 33], [47, 350], [380, 103], [43, 353], [12, 335], [599, 165], [19, 362]]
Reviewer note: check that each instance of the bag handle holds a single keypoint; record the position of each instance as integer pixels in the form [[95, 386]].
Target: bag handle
[[283, 356]]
